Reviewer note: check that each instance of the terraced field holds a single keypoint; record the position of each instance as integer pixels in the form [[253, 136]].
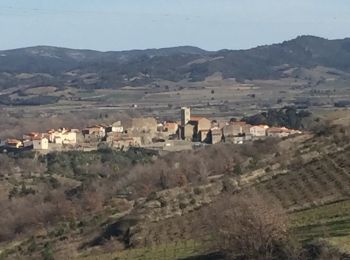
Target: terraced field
[[316, 195], [328, 221], [321, 181]]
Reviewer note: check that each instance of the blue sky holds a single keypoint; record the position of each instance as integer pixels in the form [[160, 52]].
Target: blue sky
[[139, 24]]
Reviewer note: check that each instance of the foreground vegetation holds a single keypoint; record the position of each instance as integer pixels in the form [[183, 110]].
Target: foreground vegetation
[[139, 205]]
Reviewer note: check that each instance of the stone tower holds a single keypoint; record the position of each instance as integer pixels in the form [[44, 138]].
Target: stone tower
[[185, 115]]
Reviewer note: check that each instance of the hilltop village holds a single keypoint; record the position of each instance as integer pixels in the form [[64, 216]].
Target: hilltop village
[[188, 133]]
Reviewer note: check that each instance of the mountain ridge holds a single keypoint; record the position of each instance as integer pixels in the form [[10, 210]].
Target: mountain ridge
[[114, 69]]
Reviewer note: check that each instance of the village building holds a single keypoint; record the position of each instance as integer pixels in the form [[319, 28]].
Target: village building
[[187, 132], [140, 125], [98, 130], [232, 130], [170, 127], [14, 143], [194, 128], [40, 143], [258, 130], [201, 123], [185, 115], [201, 128], [94, 133], [236, 128], [246, 128], [215, 135], [30, 136], [111, 136], [116, 127], [62, 136], [221, 124], [126, 142], [27, 143], [278, 132]]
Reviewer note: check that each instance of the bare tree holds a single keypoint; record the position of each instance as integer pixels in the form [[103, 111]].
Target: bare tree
[[247, 226]]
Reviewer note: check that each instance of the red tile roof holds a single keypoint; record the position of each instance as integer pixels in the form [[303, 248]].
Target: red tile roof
[[196, 118], [13, 141]]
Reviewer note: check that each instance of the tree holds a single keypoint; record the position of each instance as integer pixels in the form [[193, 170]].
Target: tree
[[237, 169], [248, 226]]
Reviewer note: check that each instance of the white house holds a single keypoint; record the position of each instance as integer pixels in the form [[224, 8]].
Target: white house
[[41, 143], [258, 130], [117, 127], [63, 136]]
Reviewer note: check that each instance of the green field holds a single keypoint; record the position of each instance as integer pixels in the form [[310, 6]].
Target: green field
[[327, 221]]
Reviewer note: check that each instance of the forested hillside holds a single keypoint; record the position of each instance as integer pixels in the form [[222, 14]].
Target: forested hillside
[[58, 66]]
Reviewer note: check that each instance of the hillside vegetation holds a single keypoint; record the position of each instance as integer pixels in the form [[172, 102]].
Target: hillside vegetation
[[139, 205], [46, 66]]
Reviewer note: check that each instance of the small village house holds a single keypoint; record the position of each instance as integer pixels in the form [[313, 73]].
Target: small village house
[[258, 130], [186, 132], [126, 142], [232, 130], [27, 143], [201, 128], [170, 127], [98, 130], [215, 135], [94, 133], [116, 127], [246, 128], [40, 143], [30, 136], [63, 136], [221, 124], [14, 143], [112, 136], [278, 132], [236, 128]]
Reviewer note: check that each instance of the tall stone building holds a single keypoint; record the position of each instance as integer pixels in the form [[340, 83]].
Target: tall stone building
[[185, 115]]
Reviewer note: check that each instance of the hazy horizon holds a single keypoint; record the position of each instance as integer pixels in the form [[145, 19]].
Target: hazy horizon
[[165, 47], [210, 25]]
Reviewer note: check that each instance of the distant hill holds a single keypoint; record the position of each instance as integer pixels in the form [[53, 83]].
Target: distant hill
[[61, 66]]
